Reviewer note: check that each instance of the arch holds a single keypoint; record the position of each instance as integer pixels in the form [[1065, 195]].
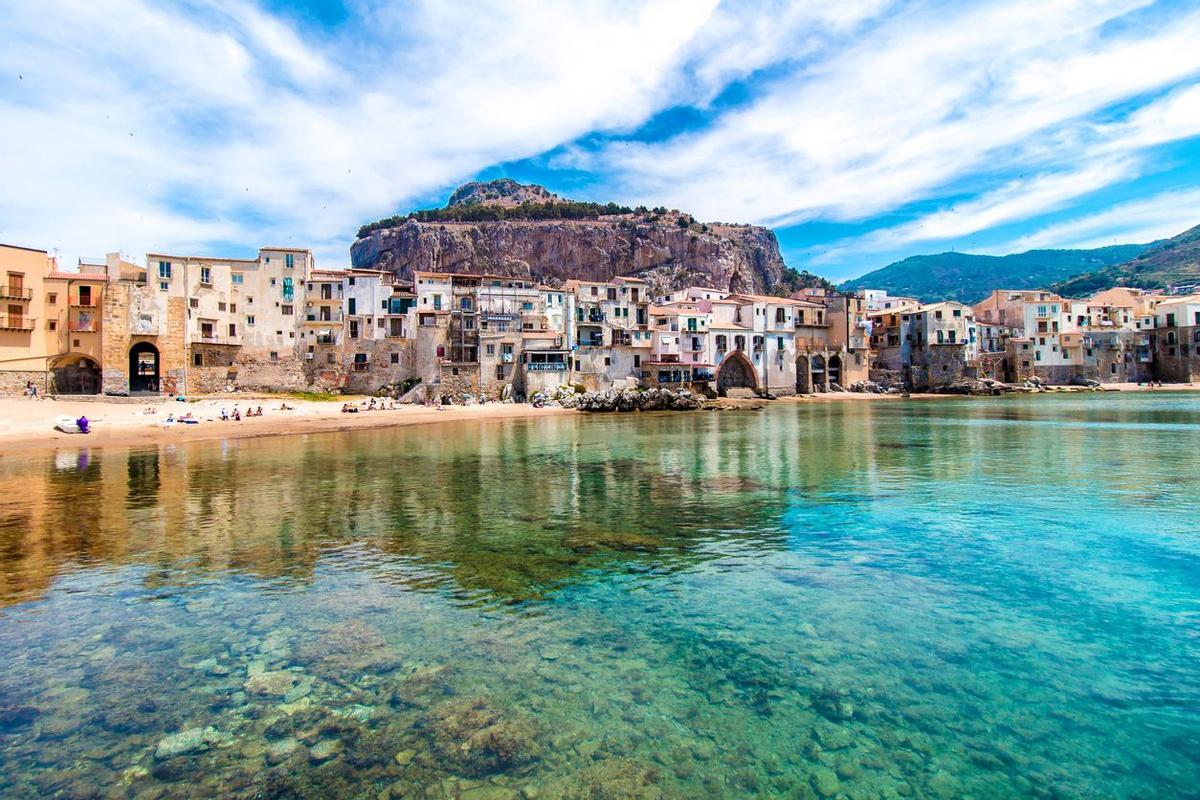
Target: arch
[[736, 372], [819, 379], [803, 376], [75, 373], [834, 372], [144, 369]]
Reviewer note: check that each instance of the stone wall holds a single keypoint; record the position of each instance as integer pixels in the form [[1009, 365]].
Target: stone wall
[[1176, 358], [12, 382], [134, 312], [380, 371], [459, 381], [940, 366]]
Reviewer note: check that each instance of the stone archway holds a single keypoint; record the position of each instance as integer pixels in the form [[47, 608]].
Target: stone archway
[[834, 372], [144, 368], [736, 372], [820, 381], [803, 377], [76, 373]]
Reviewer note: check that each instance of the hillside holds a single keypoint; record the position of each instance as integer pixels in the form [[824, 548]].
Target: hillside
[[505, 228], [1173, 262], [969, 278]]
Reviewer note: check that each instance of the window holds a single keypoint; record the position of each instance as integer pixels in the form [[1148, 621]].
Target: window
[[197, 359], [53, 298], [193, 302], [237, 278], [1170, 320], [163, 286], [206, 275], [958, 312], [250, 319], [53, 324], [249, 300], [637, 361], [272, 281], [232, 329], [287, 310], [607, 361], [353, 329], [220, 306], [164, 268], [351, 306], [274, 356], [233, 306], [490, 349], [937, 314], [289, 261], [395, 358]]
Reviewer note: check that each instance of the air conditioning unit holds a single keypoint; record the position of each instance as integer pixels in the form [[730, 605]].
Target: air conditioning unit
[[308, 356]]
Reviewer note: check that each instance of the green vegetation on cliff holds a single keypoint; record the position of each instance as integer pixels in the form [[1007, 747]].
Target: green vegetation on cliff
[[486, 212]]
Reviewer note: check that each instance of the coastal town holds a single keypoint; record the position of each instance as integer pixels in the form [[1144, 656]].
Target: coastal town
[[194, 325]]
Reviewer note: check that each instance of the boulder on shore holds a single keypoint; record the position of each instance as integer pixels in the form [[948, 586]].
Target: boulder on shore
[[653, 399]]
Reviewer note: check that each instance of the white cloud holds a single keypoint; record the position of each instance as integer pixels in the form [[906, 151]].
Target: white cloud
[[146, 126], [1159, 217]]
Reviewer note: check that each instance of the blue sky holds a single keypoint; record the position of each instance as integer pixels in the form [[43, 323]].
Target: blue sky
[[861, 131]]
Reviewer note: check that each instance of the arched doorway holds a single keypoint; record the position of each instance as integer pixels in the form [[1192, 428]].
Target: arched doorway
[[75, 373], [736, 372], [803, 378], [818, 374], [835, 370], [143, 368]]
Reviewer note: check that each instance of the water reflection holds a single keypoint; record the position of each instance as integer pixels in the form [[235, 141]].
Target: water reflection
[[989, 598]]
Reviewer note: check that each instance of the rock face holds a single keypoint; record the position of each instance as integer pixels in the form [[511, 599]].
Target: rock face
[[504, 192], [667, 249]]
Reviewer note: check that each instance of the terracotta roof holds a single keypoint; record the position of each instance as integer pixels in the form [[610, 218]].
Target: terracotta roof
[[76, 276]]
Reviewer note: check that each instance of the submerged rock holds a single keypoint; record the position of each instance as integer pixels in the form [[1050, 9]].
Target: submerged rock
[[192, 740], [13, 718], [347, 651], [272, 683], [479, 740], [825, 782]]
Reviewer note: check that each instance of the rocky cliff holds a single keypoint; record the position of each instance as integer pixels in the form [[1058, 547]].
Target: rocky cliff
[[667, 248]]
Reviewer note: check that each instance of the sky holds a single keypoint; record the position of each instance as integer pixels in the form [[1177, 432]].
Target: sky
[[862, 131]]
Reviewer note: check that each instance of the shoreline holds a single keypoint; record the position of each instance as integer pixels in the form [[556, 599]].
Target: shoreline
[[26, 426]]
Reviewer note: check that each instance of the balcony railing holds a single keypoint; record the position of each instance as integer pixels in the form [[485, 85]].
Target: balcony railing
[[11, 322], [218, 338], [546, 366], [8, 292], [80, 302]]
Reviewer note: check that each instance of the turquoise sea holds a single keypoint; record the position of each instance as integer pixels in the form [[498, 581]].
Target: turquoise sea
[[984, 598]]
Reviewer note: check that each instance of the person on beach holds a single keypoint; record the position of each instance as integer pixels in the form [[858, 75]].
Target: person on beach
[[237, 415], [82, 424], [31, 390]]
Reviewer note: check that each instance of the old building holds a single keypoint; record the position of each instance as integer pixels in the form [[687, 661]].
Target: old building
[[29, 341], [945, 344], [1176, 340]]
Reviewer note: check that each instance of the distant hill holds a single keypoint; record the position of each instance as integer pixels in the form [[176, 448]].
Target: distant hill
[[1173, 262], [970, 278]]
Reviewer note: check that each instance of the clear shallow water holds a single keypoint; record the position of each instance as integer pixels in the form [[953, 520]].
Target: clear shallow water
[[984, 598]]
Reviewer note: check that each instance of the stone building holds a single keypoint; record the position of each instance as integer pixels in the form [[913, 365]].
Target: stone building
[[945, 344], [1176, 341]]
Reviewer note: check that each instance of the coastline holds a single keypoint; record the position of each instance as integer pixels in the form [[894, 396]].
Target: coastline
[[26, 426]]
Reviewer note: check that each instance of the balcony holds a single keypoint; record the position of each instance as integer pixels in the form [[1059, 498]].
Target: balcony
[[83, 327], [320, 319], [9, 292], [217, 338], [546, 366], [322, 300], [14, 322], [591, 341]]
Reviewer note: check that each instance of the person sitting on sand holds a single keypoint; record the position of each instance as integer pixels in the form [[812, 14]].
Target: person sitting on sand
[[237, 415], [258, 412], [82, 424]]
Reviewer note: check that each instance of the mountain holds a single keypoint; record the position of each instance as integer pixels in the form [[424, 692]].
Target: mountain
[[1173, 262], [970, 278], [506, 228]]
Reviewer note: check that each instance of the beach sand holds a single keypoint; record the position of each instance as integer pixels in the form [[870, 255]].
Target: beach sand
[[29, 424]]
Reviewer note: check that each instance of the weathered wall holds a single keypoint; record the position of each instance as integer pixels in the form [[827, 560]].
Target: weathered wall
[[459, 381], [380, 370], [12, 381], [1176, 359]]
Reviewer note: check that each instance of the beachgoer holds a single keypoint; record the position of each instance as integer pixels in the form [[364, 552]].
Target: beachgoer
[[224, 413], [237, 415], [258, 413], [82, 424]]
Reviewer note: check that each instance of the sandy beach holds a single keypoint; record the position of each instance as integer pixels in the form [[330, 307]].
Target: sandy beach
[[29, 424]]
